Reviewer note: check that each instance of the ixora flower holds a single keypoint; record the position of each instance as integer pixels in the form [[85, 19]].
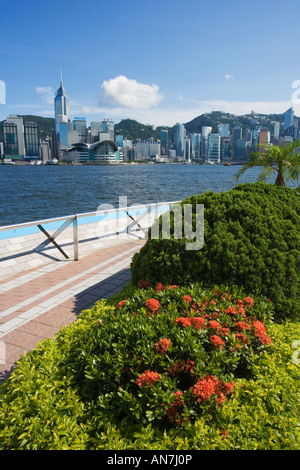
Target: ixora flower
[[210, 386], [261, 333], [217, 341], [163, 345], [183, 321], [143, 284], [187, 299], [121, 304], [159, 287], [148, 378], [152, 305]]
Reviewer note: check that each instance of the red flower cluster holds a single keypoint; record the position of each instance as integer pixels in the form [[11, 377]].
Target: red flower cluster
[[143, 284], [159, 287], [163, 345], [196, 322], [173, 408], [147, 379], [121, 304], [261, 333], [242, 325], [187, 299], [182, 367], [217, 341], [152, 305], [210, 386]]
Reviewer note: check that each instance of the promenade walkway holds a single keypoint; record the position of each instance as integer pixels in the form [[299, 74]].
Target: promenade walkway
[[37, 302]]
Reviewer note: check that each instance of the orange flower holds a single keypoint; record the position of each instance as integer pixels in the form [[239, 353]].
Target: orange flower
[[152, 305]]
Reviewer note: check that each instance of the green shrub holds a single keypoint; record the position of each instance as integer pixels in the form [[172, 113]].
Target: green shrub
[[251, 239], [86, 388]]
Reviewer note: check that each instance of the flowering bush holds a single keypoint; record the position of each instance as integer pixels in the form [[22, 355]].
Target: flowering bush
[[172, 354], [251, 239]]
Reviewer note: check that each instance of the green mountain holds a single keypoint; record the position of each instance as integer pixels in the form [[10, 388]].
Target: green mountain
[[247, 121], [133, 130]]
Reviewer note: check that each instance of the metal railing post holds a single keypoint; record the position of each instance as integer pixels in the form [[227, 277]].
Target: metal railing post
[[75, 238]]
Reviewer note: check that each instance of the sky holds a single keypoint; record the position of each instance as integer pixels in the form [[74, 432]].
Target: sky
[[159, 62]]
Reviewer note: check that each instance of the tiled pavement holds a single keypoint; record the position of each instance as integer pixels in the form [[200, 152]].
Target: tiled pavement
[[35, 304]]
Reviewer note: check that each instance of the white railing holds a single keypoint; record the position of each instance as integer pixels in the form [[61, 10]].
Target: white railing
[[132, 213]]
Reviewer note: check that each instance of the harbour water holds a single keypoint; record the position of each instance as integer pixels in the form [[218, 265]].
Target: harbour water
[[29, 193]]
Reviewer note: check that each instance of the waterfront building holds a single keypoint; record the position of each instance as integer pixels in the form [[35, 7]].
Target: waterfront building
[[146, 149], [78, 153], [240, 150], [119, 140], [205, 131], [225, 149], [196, 147], [79, 126], [187, 150], [179, 144], [61, 106], [105, 152], [164, 142], [10, 140], [214, 148], [32, 141], [236, 135], [18, 121]]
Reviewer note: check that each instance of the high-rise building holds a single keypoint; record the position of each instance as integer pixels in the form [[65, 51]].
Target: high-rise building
[[214, 148], [276, 130], [205, 131], [187, 150], [164, 141], [10, 139], [223, 130], [196, 147], [79, 125], [61, 106], [32, 142], [179, 136], [18, 120], [288, 119], [264, 139], [236, 135]]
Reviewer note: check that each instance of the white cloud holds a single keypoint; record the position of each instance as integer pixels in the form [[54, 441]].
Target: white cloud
[[46, 92], [228, 77], [128, 93]]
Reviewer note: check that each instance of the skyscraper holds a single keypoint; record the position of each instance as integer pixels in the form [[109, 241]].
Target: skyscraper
[[61, 106], [20, 131], [179, 143], [205, 131], [63, 125], [288, 119], [236, 135], [32, 142], [214, 148], [164, 140]]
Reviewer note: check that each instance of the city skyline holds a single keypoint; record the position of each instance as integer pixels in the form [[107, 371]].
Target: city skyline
[[158, 65]]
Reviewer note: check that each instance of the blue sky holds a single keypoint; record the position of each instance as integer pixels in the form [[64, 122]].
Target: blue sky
[[158, 61]]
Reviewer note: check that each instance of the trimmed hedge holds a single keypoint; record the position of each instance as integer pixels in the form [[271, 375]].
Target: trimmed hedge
[[252, 239], [89, 387]]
